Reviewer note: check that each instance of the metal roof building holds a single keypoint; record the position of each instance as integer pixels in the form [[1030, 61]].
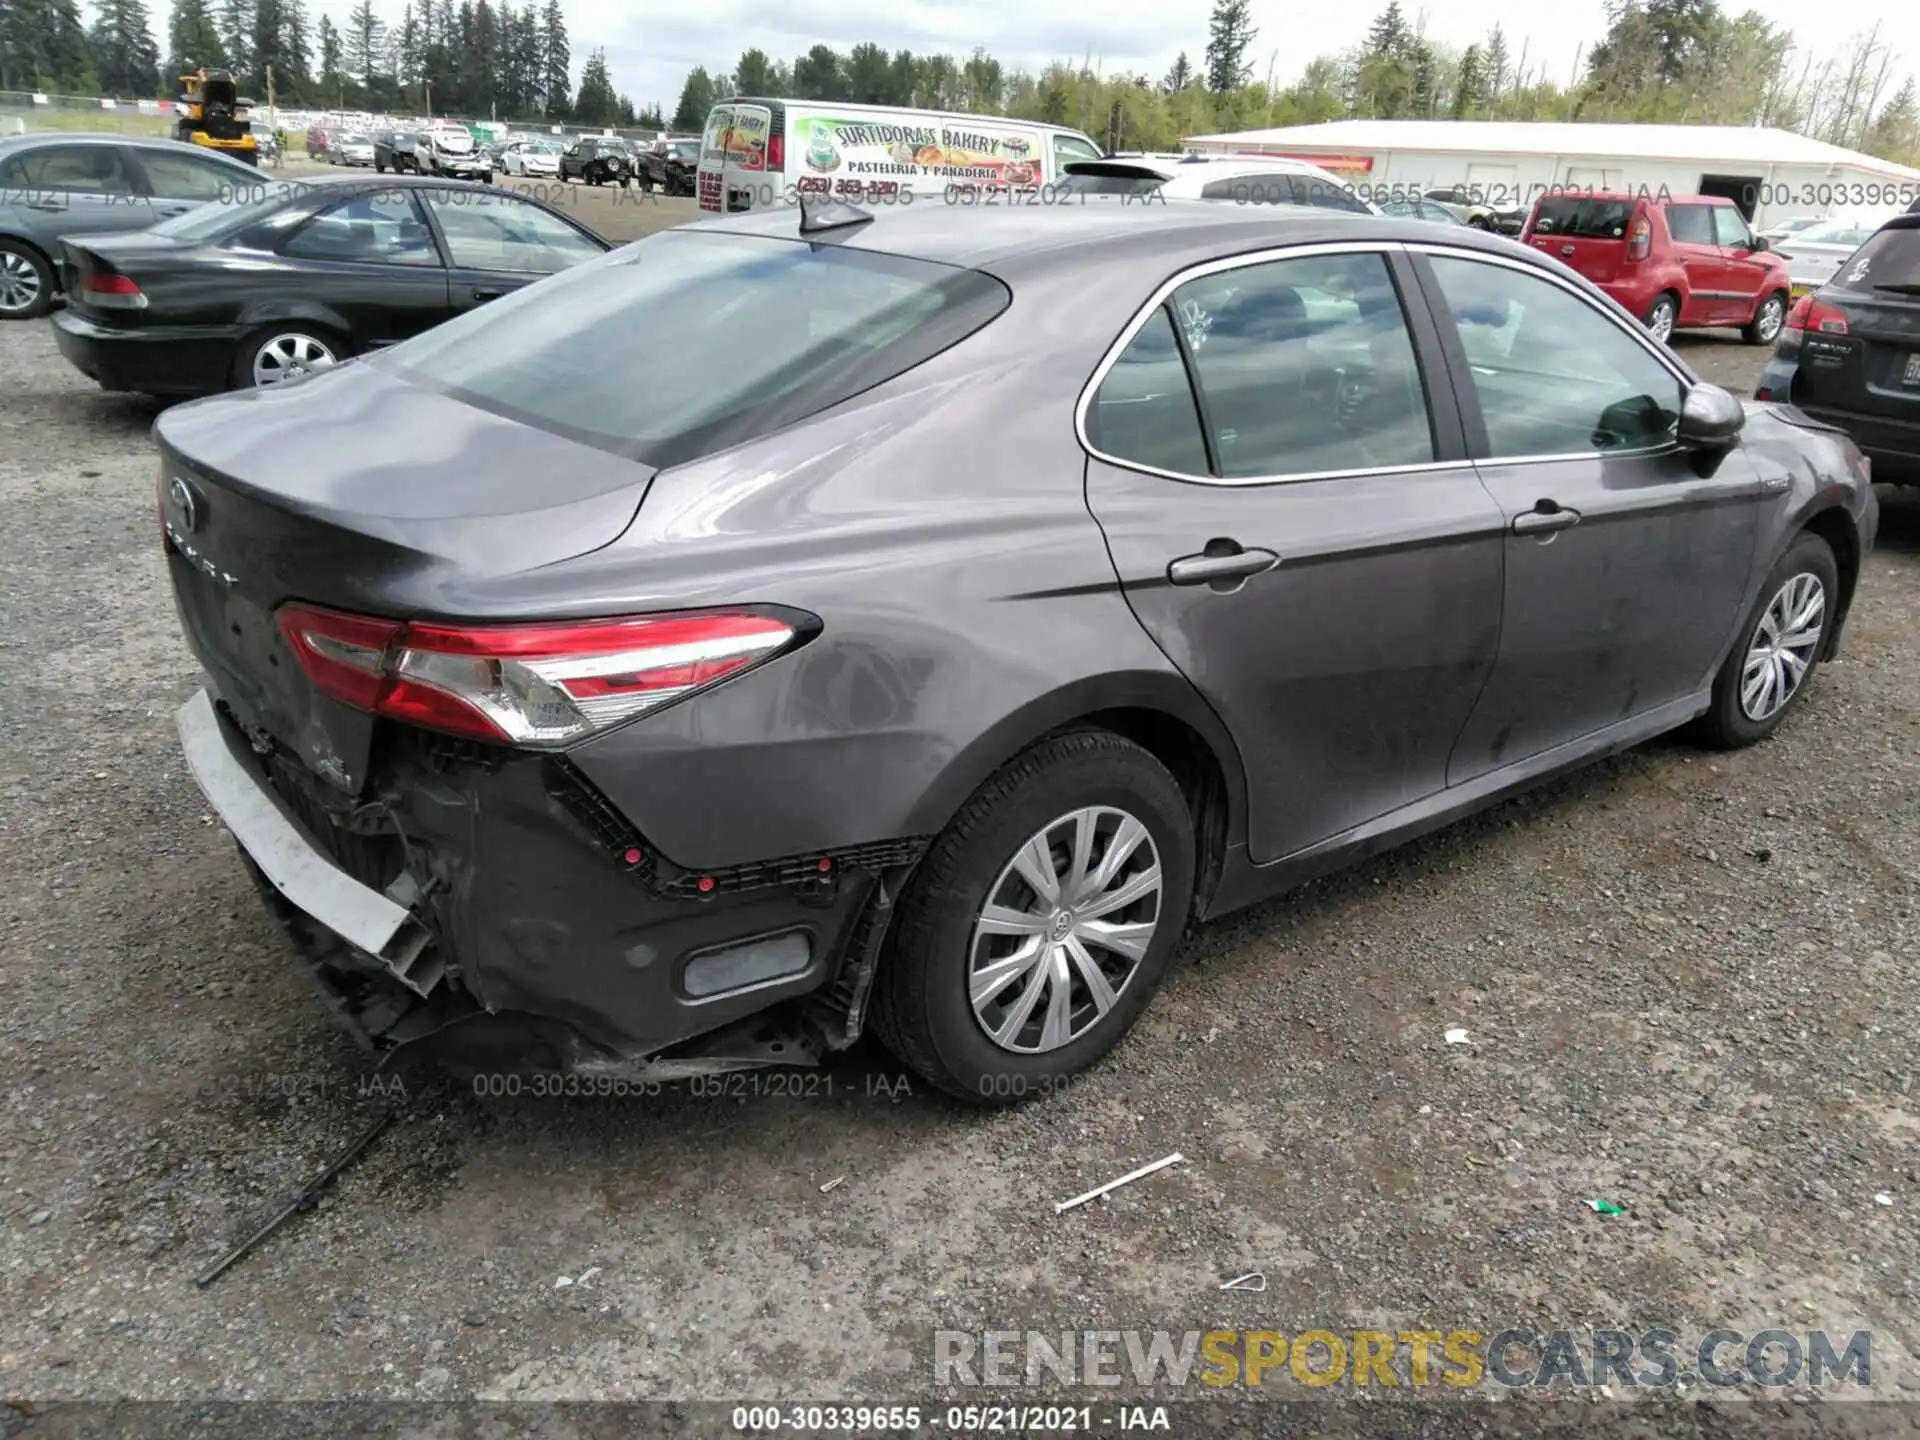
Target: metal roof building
[[1769, 173]]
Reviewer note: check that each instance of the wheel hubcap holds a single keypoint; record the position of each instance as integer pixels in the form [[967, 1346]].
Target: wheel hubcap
[[19, 282], [1783, 647], [286, 357], [1662, 321], [1064, 929], [1770, 316]]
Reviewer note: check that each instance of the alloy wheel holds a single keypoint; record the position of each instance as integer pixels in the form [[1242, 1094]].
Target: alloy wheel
[[287, 357], [1064, 928], [1783, 646], [1772, 313], [1660, 323], [19, 282]]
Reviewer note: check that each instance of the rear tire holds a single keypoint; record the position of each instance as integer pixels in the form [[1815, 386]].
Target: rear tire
[[1663, 315], [26, 281], [1763, 679], [1768, 317], [924, 1006], [295, 340]]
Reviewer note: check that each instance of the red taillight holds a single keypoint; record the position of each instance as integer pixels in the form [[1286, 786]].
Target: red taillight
[[112, 292], [1640, 242], [1815, 314], [776, 152], [533, 685]]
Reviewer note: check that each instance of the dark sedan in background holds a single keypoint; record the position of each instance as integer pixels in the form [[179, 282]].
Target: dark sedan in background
[[251, 294], [56, 185], [597, 160], [966, 611], [1849, 353]]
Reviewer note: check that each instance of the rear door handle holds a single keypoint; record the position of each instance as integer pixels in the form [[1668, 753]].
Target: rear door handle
[[1540, 522], [1235, 565], [483, 295]]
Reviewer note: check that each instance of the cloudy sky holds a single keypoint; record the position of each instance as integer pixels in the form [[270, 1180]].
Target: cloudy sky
[[651, 51]]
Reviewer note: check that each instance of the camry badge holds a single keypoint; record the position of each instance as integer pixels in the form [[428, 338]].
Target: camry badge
[[182, 497]]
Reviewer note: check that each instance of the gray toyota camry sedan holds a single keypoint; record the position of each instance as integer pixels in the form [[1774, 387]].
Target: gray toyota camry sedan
[[808, 620]]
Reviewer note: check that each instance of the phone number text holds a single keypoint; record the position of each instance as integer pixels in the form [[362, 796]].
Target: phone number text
[[855, 1419]]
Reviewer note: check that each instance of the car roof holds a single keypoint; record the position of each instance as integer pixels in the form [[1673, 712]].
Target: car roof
[[1033, 238], [857, 109]]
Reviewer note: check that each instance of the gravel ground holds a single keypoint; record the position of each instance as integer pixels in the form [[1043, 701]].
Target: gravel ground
[[1687, 979]]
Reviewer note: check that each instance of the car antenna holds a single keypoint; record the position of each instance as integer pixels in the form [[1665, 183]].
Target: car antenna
[[819, 215]]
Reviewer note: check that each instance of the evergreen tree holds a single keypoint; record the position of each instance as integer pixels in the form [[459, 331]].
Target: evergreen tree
[[696, 99], [1180, 76], [126, 61], [869, 75], [596, 103], [193, 40], [986, 82], [1229, 33], [819, 75], [365, 41], [754, 74], [1466, 90], [332, 59], [1895, 131], [1496, 64], [236, 35], [556, 62]]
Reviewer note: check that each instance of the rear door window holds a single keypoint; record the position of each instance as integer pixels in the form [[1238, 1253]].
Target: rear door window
[[1691, 224], [1144, 411], [1583, 217], [190, 177], [79, 169], [729, 337], [1889, 260], [1306, 367]]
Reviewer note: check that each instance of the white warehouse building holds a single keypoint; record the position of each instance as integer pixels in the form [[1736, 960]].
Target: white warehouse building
[[1771, 174]]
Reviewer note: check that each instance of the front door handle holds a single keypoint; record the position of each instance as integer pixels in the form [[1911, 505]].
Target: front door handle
[[1235, 564], [1540, 522], [481, 296]]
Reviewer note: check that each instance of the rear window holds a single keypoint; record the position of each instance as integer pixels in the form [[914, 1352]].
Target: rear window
[[688, 343], [1099, 178], [245, 205], [1584, 217], [1888, 261]]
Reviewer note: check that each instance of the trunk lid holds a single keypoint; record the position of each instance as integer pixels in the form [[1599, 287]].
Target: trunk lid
[[358, 491], [85, 256], [1590, 233]]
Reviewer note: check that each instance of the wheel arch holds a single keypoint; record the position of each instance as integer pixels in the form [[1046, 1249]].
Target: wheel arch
[[1834, 525], [1159, 712], [262, 314]]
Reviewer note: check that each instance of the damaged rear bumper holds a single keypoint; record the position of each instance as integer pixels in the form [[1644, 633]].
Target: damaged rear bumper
[[491, 907]]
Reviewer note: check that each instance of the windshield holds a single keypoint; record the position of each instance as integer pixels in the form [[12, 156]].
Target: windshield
[[1584, 217], [1091, 177], [684, 149], [727, 336], [1888, 261], [355, 139]]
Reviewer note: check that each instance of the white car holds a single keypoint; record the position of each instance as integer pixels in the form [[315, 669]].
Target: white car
[[352, 148], [537, 158], [1236, 179], [1814, 255], [1781, 229], [450, 150]]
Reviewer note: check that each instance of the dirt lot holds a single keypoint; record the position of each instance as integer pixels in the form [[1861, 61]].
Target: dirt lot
[[1688, 981]]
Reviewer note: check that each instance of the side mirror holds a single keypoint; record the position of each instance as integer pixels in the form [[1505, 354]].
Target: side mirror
[[1710, 418], [1760, 242]]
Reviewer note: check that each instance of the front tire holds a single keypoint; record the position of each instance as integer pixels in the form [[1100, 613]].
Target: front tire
[[1773, 663], [1767, 320], [1040, 923]]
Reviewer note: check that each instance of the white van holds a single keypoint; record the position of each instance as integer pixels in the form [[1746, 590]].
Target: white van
[[758, 152]]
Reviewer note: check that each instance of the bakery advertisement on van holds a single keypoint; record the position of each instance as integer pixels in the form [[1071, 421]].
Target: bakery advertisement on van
[[949, 153]]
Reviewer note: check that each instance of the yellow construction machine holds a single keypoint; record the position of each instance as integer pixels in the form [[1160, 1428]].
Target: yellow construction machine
[[211, 113]]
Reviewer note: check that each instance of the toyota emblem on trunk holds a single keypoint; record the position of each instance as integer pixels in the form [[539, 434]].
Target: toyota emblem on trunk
[[182, 498]]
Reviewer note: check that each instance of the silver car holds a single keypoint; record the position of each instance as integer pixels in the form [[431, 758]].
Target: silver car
[[53, 186]]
